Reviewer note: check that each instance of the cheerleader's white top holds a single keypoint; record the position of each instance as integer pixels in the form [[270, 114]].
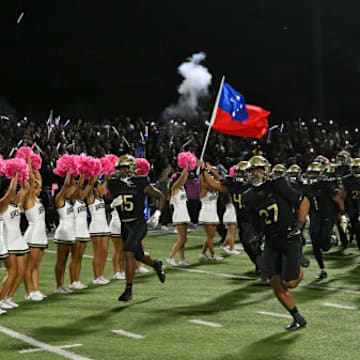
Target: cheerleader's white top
[[180, 214], [35, 234], [208, 213], [98, 225], [81, 224], [66, 228]]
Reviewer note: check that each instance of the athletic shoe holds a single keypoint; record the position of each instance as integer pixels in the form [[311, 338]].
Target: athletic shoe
[[2, 311], [106, 281], [38, 292], [33, 296], [234, 252], [184, 263], [4, 305], [171, 261], [164, 228], [238, 247], [322, 275], [126, 295], [203, 257], [141, 270], [216, 258], [63, 290], [222, 248], [81, 286], [116, 276], [74, 285], [119, 276], [10, 302], [301, 323], [159, 270], [99, 281]]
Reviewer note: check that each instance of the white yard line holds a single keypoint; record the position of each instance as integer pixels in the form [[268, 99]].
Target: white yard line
[[338, 306], [274, 314], [206, 323], [41, 345], [128, 334], [26, 351]]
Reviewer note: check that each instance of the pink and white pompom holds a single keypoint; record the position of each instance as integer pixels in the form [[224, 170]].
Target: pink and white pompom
[[67, 163], [232, 171], [1, 165], [36, 161], [187, 159], [108, 164], [97, 168], [85, 165], [24, 152], [142, 167], [17, 165]]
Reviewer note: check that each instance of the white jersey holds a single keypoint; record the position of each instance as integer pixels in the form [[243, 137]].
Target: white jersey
[[14, 240], [230, 214], [115, 224], [208, 213], [35, 234], [3, 248], [180, 214], [81, 224], [65, 232], [98, 225]]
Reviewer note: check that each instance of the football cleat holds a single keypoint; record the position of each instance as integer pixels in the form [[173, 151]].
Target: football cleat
[[296, 326], [159, 270], [126, 295], [322, 275]]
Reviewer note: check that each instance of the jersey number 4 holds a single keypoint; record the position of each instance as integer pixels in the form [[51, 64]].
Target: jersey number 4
[[127, 204], [271, 214]]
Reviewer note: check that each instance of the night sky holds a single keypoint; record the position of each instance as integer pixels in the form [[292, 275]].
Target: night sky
[[122, 57]]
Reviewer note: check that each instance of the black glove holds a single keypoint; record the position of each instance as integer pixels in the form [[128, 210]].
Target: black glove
[[296, 229]]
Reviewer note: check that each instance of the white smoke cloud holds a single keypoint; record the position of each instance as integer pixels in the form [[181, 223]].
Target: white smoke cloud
[[195, 85]]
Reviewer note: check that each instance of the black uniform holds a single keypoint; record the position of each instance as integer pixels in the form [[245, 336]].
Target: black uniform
[[131, 211], [322, 216], [271, 207], [352, 203], [246, 230]]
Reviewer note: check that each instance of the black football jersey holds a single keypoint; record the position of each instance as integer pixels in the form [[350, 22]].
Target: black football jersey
[[352, 188], [272, 206], [133, 196], [320, 196], [236, 191]]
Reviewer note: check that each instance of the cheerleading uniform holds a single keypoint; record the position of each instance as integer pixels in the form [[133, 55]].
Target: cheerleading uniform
[[208, 213], [180, 214], [14, 241], [115, 224], [65, 232], [81, 225], [35, 234], [98, 225], [3, 249], [230, 214]]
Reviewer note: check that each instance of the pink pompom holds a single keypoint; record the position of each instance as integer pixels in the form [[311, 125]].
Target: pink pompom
[[17, 165], [174, 176], [183, 159], [192, 162], [232, 171], [96, 169], [142, 167], [36, 161], [85, 165], [67, 163], [24, 152], [108, 164]]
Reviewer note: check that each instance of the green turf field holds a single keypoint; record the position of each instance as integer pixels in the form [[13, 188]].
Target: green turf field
[[161, 313]]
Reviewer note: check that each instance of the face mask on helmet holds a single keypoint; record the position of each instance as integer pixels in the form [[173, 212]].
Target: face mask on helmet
[[355, 168], [240, 175], [343, 158], [125, 167], [294, 172], [259, 171]]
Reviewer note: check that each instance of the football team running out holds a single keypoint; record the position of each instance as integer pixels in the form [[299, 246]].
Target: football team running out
[[105, 198]]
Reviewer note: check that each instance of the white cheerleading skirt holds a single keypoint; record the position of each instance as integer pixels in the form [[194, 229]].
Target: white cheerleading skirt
[[17, 245], [181, 215], [230, 214], [208, 214], [3, 249], [99, 226], [81, 229], [65, 232], [35, 235], [115, 226]]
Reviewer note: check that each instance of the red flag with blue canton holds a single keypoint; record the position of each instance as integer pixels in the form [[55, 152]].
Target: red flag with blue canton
[[234, 117]]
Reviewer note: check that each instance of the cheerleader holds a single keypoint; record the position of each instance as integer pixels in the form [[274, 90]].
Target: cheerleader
[[16, 245], [35, 236], [82, 235], [208, 216], [6, 193], [65, 232], [229, 221], [181, 217], [99, 230], [118, 259]]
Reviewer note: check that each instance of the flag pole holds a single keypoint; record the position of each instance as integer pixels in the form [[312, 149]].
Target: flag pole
[[213, 115]]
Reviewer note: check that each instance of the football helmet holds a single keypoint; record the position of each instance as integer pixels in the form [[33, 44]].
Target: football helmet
[[355, 167], [314, 172], [257, 178], [240, 171], [125, 166], [293, 172], [343, 158], [277, 171], [322, 160]]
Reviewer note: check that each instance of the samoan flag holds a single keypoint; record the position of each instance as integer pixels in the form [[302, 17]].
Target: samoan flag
[[234, 117]]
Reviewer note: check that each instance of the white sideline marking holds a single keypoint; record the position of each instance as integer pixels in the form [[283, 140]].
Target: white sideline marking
[[128, 334], [206, 323], [338, 306], [41, 345], [26, 351], [274, 314], [345, 291]]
